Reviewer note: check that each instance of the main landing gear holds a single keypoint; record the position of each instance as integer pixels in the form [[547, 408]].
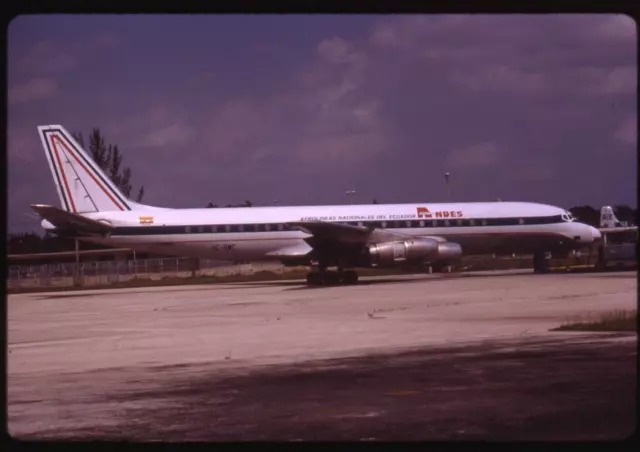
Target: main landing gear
[[541, 262], [331, 278]]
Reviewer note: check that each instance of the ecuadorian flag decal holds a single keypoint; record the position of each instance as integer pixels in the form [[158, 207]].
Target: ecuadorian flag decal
[[145, 220]]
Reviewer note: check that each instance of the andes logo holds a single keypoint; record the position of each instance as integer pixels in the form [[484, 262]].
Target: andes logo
[[423, 212]]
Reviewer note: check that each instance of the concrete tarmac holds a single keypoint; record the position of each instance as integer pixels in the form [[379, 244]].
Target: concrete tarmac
[[390, 358]]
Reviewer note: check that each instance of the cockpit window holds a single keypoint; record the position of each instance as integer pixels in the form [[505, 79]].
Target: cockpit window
[[566, 216]]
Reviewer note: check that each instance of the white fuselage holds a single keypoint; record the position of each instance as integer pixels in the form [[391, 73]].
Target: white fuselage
[[255, 233]]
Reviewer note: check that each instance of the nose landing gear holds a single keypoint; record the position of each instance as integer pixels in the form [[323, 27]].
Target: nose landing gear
[[541, 262]]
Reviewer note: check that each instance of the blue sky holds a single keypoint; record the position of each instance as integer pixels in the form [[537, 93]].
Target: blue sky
[[301, 108]]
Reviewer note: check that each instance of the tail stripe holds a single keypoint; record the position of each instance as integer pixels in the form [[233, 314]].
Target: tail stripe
[[63, 139], [92, 165], [91, 173], [65, 197], [64, 176]]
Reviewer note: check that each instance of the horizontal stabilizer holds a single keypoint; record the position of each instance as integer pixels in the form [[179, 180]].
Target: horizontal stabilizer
[[69, 221]]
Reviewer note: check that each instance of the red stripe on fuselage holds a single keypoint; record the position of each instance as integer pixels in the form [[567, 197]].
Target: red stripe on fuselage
[[104, 190]]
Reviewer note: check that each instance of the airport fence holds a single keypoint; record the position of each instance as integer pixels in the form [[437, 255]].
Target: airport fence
[[104, 273], [108, 273]]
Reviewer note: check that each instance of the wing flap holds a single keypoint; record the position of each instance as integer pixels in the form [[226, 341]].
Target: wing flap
[[337, 232], [323, 232], [294, 251], [69, 221]]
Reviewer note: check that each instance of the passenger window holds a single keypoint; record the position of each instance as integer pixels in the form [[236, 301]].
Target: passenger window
[[240, 228], [360, 223], [408, 224], [187, 229], [280, 227], [484, 222], [446, 222], [227, 228], [460, 222], [267, 227], [422, 223], [472, 222], [383, 224], [214, 229], [521, 221]]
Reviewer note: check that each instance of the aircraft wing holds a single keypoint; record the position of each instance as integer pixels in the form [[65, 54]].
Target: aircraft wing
[[323, 231], [292, 252], [619, 229], [68, 221], [337, 232]]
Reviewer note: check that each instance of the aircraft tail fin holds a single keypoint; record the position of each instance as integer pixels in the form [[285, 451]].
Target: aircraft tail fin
[[608, 218], [82, 185]]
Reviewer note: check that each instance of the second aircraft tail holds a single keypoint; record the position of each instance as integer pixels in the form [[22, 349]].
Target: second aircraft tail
[[608, 218]]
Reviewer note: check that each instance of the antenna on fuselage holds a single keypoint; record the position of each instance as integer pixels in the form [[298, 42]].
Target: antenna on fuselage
[[446, 181]]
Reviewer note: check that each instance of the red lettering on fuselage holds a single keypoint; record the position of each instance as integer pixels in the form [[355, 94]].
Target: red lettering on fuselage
[[448, 214], [423, 212]]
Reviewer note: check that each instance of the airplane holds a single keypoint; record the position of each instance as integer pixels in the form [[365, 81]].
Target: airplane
[[619, 245], [332, 241]]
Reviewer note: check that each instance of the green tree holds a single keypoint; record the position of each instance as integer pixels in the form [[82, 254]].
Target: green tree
[[625, 213], [109, 159], [586, 214]]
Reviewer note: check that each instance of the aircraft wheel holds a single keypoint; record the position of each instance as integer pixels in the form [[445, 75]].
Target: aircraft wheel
[[332, 278], [350, 277], [315, 279], [540, 263]]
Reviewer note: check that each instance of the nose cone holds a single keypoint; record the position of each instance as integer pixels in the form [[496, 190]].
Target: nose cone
[[596, 234]]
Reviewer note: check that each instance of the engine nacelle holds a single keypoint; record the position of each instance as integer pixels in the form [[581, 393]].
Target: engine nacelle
[[449, 252], [413, 250]]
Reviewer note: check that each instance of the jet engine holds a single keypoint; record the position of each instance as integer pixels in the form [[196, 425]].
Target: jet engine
[[413, 251]]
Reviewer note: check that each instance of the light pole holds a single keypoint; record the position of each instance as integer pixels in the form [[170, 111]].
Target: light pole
[[446, 181], [349, 193]]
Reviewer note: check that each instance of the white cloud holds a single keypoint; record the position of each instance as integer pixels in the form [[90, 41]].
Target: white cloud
[[477, 156], [160, 126], [537, 174], [35, 89], [176, 134], [500, 78], [627, 132], [54, 56], [324, 115], [335, 50], [620, 80], [20, 144], [616, 27], [514, 52]]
